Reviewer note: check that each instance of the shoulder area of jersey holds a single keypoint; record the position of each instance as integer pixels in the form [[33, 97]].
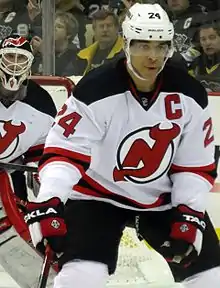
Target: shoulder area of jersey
[[36, 91], [178, 80], [100, 83], [39, 98]]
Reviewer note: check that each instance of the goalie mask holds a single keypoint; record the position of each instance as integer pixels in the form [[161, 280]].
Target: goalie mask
[[16, 59], [147, 22]]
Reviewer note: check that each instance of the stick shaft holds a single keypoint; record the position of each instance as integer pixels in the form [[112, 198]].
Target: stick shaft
[[17, 167], [42, 282]]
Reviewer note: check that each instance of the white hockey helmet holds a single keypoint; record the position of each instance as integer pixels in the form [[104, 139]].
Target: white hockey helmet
[[13, 71], [147, 22]]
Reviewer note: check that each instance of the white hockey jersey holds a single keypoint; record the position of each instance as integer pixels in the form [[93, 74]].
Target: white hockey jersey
[[25, 124], [141, 151]]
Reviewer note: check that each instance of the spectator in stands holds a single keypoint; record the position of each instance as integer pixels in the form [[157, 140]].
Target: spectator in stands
[[72, 6], [107, 45], [66, 28], [14, 18], [187, 18], [34, 9], [35, 16], [78, 10], [206, 67], [121, 8], [210, 5]]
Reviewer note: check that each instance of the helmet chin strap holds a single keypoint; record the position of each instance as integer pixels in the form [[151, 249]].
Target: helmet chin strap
[[135, 72]]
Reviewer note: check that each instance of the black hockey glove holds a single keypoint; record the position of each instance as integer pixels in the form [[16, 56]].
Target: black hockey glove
[[45, 221], [186, 236]]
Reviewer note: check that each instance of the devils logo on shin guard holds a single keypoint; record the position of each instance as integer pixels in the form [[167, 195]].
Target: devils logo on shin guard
[[145, 154]]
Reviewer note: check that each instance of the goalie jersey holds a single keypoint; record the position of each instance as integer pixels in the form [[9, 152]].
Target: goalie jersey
[[140, 151], [25, 124]]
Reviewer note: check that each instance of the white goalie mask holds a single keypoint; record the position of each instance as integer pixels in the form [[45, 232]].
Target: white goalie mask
[[147, 22], [16, 59]]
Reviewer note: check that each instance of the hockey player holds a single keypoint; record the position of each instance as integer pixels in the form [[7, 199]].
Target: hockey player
[[134, 139], [27, 110], [27, 113]]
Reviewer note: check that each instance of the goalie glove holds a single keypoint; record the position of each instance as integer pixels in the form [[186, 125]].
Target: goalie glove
[[186, 236], [45, 221]]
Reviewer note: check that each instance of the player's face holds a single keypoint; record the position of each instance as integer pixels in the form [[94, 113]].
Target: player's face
[[147, 57], [105, 30], [178, 5], [14, 62], [210, 41]]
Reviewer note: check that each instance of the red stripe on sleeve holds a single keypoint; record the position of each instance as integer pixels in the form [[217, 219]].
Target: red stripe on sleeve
[[37, 147], [62, 159], [68, 154], [203, 171]]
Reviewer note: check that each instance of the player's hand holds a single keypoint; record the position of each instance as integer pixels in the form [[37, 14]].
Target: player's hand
[[36, 43], [186, 236], [45, 221]]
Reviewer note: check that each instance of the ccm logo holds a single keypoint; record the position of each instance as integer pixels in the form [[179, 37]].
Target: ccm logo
[[195, 219], [38, 213]]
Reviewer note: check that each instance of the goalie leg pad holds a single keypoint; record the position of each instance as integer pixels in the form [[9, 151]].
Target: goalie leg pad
[[82, 274]]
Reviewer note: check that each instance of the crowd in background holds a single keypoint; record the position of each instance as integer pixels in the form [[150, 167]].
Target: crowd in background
[[88, 34]]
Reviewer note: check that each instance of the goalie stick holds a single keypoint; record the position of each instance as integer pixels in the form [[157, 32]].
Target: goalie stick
[[48, 258], [17, 167]]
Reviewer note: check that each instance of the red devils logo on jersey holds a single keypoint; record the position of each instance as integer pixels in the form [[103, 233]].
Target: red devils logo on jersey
[[17, 42], [9, 138], [145, 154]]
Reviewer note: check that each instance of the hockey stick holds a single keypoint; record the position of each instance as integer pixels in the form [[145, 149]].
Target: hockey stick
[[42, 282], [17, 167]]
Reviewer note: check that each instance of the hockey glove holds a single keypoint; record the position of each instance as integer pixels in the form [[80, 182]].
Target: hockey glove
[[186, 236], [45, 221]]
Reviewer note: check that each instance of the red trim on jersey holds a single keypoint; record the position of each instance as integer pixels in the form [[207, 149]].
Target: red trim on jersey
[[207, 168], [209, 178], [68, 154], [32, 159], [134, 90], [37, 147], [33, 154], [62, 159], [202, 171], [86, 191], [105, 193]]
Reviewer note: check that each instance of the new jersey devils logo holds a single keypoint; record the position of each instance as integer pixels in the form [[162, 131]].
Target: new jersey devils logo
[[9, 137], [145, 154]]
